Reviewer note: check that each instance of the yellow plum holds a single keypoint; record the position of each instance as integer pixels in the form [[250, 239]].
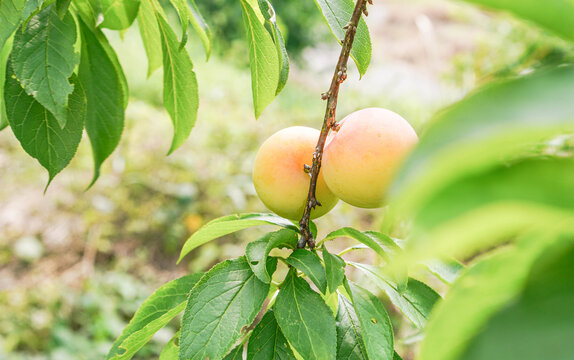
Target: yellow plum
[[362, 156], [279, 176]]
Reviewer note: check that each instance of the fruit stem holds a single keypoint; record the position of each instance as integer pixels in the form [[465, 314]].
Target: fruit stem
[[329, 120]]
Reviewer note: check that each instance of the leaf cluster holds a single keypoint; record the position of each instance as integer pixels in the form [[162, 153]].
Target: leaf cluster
[[309, 309], [59, 75]]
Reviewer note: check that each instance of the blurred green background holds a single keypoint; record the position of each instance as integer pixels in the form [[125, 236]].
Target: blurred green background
[[76, 264]]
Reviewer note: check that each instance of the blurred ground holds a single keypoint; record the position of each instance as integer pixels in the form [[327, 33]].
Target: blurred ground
[[76, 263]]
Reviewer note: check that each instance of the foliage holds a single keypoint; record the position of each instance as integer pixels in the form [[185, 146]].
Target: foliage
[[46, 37], [477, 189]]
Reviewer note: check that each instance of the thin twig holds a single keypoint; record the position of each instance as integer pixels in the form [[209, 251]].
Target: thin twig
[[329, 121]]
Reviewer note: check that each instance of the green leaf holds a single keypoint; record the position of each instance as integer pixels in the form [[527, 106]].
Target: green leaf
[[151, 37], [3, 123], [119, 70], [496, 204], [476, 296], [337, 14], [540, 324], [375, 323], [235, 354], [171, 349], [155, 312], [554, 15], [305, 319], [201, 28], [335, 270], [415, 302], [10, 18], [548, 181], [30, 8], [188, 12], [38, 131], [313, 228], [381, 244], [183, 13], [226, 300], [44, 58], [104, 92], [447, 271], [388, 243], [309, 264], [62, 7], [90, 11], [350, 344], [230, 224], [271, 24], [256, 255], [4, 54], [258, 251], [267, 342], [332, 301], [118, 14], [497, 122], [263, 58], [180, 94]]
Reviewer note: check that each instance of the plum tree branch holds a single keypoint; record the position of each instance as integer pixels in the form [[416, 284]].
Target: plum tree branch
[[329, 120]]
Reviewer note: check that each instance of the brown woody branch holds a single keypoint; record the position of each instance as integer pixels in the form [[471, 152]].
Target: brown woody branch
[[329, 121]]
